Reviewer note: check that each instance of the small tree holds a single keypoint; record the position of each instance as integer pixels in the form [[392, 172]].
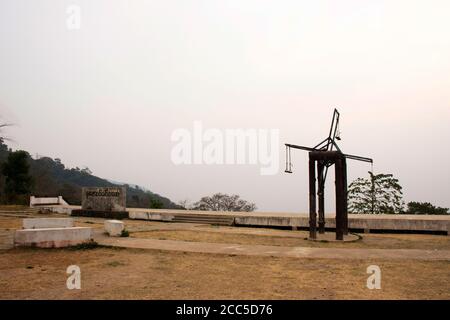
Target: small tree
[[136, 200], [18, 180], [425, 208], [224, 202], [380, 193], [155, 203]]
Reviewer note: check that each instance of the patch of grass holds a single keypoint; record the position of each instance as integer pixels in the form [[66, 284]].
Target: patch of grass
[[125, 233], [85, 246]]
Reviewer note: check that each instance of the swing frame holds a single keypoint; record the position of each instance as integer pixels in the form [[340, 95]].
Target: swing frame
[[324, 155]]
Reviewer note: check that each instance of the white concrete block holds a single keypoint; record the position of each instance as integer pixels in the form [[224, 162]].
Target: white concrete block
[[61, 210], [62, 202], [52, 237], [114, 227], [42, 223], [138, 215], [143, 215]]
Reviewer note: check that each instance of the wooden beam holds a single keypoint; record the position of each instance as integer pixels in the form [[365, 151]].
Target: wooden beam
[[312, 198], [321, 195], [340, 199]]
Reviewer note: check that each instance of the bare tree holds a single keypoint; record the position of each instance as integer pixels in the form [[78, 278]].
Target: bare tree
[[186, 204], [224, 202], [2, 127]]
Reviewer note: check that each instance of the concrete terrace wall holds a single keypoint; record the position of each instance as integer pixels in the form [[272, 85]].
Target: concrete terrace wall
[[419, 223], [362, 222]]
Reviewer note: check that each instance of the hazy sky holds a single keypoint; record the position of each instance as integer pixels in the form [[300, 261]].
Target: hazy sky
[[110, 94]]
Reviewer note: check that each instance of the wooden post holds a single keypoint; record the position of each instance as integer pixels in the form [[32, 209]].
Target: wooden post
[[340, 199], [321, 194], [344, 172], [312, 197]]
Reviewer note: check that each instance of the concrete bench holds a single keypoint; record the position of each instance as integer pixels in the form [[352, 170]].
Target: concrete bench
[[114, 227], [42, 223], [47, 201], [52, 237]]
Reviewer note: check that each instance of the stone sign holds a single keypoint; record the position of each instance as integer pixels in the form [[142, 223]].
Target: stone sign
[[104, 199]]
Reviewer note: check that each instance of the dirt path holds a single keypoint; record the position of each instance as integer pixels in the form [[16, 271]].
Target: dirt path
[[274, 251]]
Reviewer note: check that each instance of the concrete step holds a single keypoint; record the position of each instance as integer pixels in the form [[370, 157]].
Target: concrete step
[[19, 211], [218, 223], [204, 219]]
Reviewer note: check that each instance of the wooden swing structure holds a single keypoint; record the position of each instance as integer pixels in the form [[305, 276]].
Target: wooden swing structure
[[326, 154]]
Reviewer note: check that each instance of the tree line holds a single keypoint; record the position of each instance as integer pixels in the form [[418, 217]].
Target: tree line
[[22, 176]]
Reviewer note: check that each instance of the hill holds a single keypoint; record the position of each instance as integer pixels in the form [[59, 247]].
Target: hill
[[52, 178]]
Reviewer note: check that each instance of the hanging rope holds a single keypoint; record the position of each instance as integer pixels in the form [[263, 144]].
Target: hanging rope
[[288, 160]]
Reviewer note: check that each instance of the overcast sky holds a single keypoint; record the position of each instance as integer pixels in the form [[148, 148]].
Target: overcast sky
[[110, 94]]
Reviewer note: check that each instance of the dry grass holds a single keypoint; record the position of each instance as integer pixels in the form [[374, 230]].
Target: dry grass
[[147, 274], [381, 241]]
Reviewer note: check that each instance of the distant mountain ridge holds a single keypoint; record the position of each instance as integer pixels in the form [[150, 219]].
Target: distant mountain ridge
[[52, 178], [129, 184]]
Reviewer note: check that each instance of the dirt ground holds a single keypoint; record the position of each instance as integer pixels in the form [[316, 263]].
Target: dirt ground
[[112, 273], [108, 273]]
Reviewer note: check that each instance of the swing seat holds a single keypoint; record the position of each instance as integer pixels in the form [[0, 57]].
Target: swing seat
[[288, 171]]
